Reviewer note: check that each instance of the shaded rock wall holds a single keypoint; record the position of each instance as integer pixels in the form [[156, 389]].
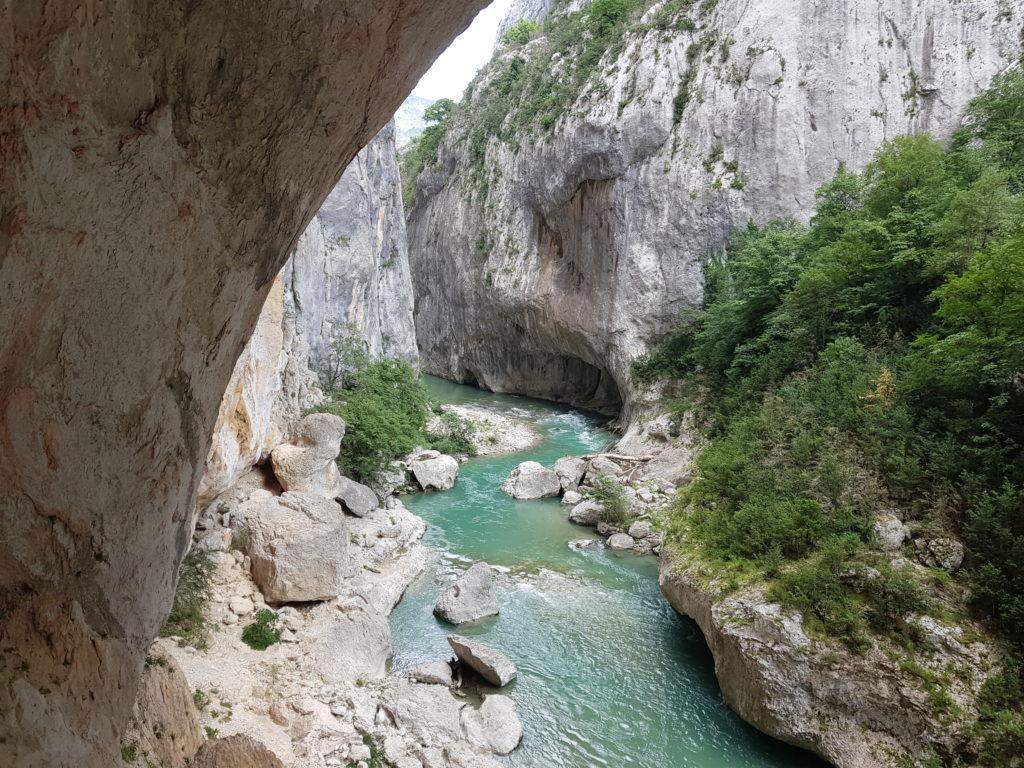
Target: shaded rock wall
[[158, 161], [586, 242], [351, 265]]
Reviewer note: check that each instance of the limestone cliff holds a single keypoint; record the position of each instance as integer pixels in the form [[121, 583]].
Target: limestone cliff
[[158, 161], [547, 257], [349, 273], [874, 709], [350, 269]]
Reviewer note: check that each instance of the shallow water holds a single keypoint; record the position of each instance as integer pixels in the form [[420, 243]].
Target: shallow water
[[609, 674]]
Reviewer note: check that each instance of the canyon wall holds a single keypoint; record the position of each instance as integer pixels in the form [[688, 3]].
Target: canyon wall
[[348, 277], [547, 262], [158, 161]]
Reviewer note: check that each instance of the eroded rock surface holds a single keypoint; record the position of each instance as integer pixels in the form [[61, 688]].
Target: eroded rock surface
[[531, 480], [492, 665], [158, 160], [856, 710], [436, 473]]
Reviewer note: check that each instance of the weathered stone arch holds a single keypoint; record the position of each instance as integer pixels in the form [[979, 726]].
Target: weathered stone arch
[[158, 159]]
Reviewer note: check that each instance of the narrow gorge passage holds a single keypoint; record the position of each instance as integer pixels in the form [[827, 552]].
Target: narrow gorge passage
[[609, 674]]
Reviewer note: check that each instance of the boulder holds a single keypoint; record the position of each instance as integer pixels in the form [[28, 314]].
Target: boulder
[[641, 529], [570, 471], [235, 752], [308, 466], [470, 598], [495, 726], [354, 497], [601, 466], [578, 545], [621, 542], [164, 727], [944, 553], [586, 512], [572, 498], [429, 713], [890, 533], [493, 666], [435, 474], [434, 673], [298, 546], [531, 480], [347, 642]]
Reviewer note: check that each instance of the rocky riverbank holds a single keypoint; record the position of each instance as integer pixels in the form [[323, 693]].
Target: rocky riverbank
[[319, 567], [491, 433]]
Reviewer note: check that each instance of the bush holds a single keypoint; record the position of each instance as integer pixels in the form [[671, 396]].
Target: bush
[[263, 632], [612, 496], [385, 411], [605, 14], [455, 436], [520, 32], [187, 619]]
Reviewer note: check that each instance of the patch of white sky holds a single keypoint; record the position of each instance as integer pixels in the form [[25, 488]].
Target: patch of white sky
[[454, 68]]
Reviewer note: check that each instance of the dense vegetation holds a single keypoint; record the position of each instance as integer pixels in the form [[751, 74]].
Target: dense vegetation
[[872, 360], [542, 74], [263, 632]]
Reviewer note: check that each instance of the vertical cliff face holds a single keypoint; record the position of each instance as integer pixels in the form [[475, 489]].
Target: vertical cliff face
[[350, 269], [348, 274], [547, 260], [158, 161]]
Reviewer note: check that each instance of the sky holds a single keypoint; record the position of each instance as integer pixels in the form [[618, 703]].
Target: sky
[[458, 65]]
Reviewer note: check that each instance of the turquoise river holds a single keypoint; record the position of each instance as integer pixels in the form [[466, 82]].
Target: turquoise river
[[609, 674]]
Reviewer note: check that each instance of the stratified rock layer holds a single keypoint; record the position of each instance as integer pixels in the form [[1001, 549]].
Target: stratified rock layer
[[549, 269], [158, 160]]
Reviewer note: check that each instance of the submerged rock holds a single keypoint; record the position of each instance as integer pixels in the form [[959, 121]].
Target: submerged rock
[[298, 544], [495, 726], [493, 666], [470, 598], [531, 480], [435, 473]]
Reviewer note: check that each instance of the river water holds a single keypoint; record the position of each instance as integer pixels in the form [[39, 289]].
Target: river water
[[609, 674]]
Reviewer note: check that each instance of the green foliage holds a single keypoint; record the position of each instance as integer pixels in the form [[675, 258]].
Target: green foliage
[[455, 436], [520, 33], [605, 14], [872, 358], [187, 619], [422, 152], [263, 632], [385, 411], [347, 355], [612, 496], [1000, 726], [129, 751]]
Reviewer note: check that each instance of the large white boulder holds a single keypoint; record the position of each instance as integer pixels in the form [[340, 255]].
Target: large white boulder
[[470, 598], [437, 473], [493, 666], [346, 642], [570, 471], [531, 480], [890, 532], [495, 726], [298, 544], [309, 465]]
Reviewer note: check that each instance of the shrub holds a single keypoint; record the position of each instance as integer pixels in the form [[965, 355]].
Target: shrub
[[520, 32], [385, 412], [612, 496], [605, 14], [187, 619], [263, 632], [455, 437], [347, 355]]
